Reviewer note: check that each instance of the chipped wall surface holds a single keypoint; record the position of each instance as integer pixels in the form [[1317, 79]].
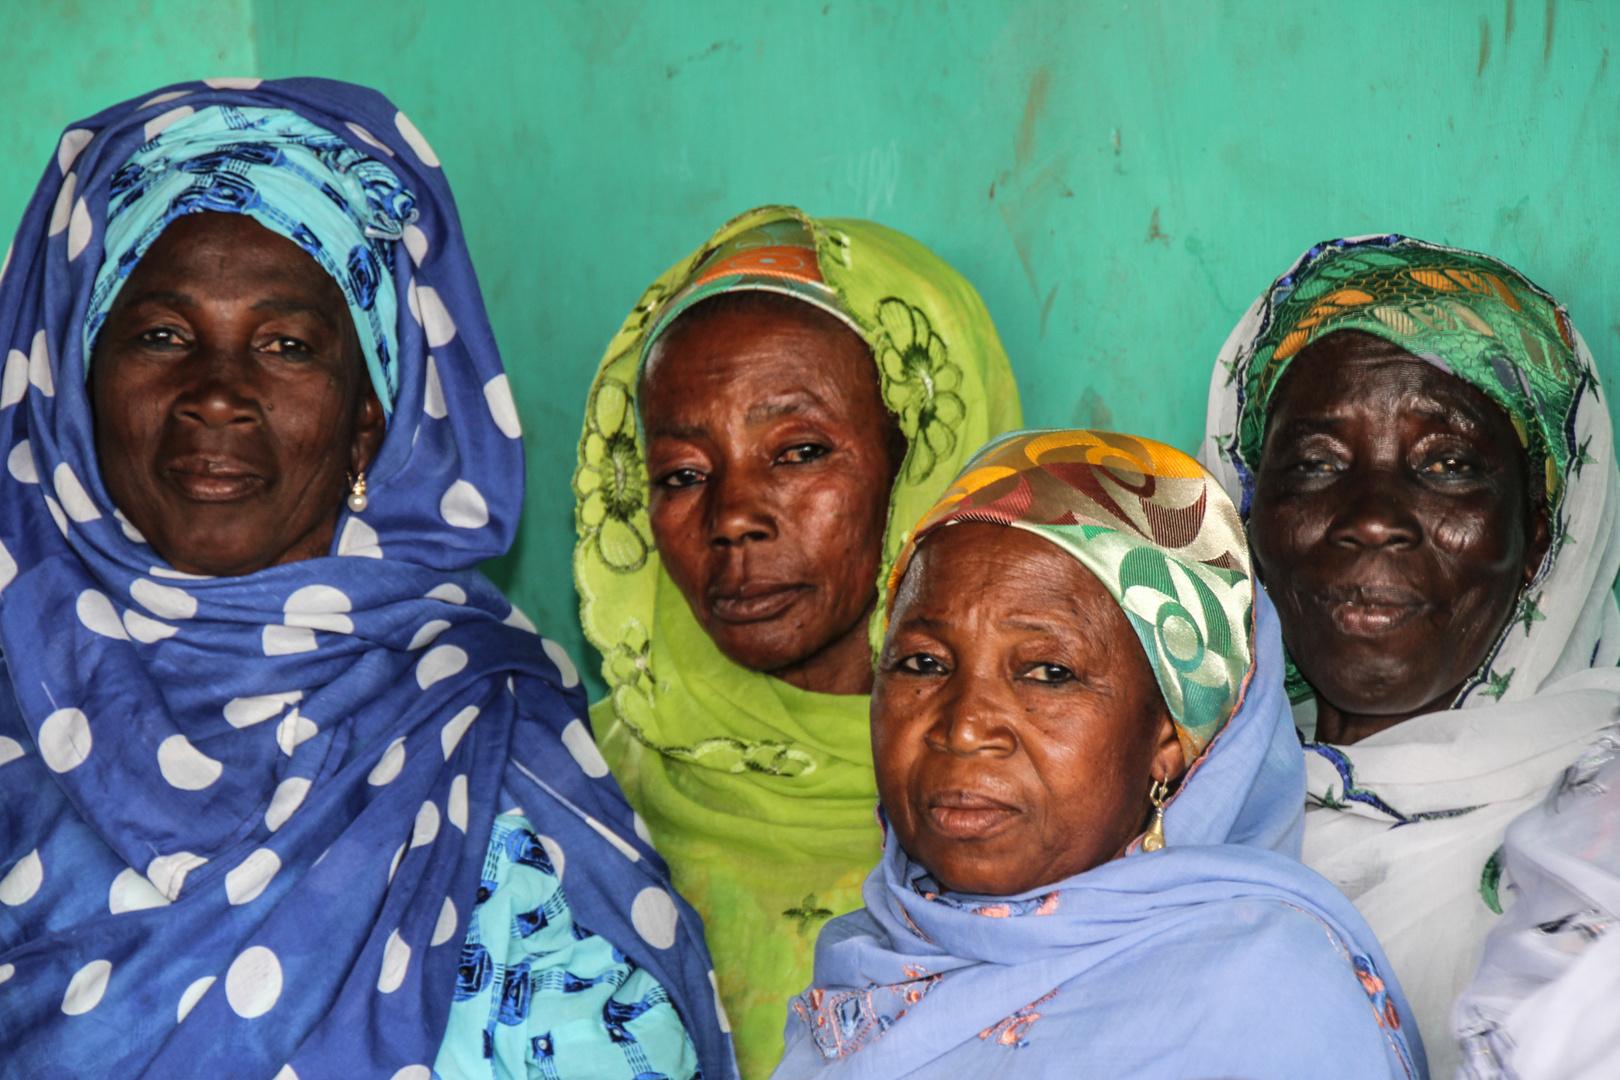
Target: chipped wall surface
[[1119, 179]]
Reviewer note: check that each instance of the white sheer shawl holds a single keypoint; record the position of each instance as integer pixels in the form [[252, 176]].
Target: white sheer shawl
[[1407, 823]]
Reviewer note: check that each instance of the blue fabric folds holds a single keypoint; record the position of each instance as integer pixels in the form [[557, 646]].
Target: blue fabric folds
[[243, 820], [1220, 955], [341, 206]]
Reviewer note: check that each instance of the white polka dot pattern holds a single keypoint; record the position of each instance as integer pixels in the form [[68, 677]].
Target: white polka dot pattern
[[184, 766], [13, 379], [294, 730], [131, 891], [97, 613], [359, 540], [455, 807], [251, 876], [156, 125], [455, 728], [389, 765], [147, 631], [463, 506], [415, 140], [75, 500], [39, 366], [86, 988], [565, 663], [445, 928], [253, 984], [654, 915], [320, 607], [20, 463], [167, 873], [438, 663], [64, 740], [396, 961], [64, 204], [73, 143], [430, 630], [246, 711], [369, 139], [164, 601], [192, 995], [580, 744], [427, 825], [433, 402], [502, 408], [23, 880], [719, 1006], [289, 796]]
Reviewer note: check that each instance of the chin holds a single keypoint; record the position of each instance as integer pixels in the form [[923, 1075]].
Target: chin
[[1379, 693], [757, 648]]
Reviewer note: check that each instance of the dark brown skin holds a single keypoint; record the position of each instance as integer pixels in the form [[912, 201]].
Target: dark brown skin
[[1393, 525], [771, 457], [1017, 725], [231, 398]]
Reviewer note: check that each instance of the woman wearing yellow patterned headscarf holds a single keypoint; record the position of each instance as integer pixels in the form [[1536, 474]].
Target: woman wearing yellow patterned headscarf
[[760, 792], [1074, 630]]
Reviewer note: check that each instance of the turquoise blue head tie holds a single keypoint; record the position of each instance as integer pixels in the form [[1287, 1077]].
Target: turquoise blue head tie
[[344, 208]]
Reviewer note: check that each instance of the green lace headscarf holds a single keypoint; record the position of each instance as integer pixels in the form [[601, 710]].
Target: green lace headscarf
[[761, 795]]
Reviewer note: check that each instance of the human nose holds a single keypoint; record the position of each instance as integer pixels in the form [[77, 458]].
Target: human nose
[[741, 510], [972, 719], [1377, 513], [219, 391]]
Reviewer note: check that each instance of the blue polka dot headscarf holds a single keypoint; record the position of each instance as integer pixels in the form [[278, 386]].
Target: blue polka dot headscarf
[[243, 820], [342, 206]]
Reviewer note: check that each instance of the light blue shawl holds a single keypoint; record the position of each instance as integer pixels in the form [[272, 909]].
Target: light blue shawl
[[1219, 956]]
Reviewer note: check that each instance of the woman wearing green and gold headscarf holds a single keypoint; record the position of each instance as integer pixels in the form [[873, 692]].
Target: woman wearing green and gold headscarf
[[770, 417]]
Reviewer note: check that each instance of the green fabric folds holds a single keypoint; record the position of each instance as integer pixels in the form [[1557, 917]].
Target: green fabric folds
[[760, 795]]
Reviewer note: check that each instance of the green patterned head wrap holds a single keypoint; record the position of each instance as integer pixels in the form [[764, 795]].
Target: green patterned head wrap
[[1469, 315], [759, 794], [1154, 528]]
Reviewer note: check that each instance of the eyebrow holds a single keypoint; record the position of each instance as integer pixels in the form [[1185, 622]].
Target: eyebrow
[[164, 296], [1011, 624], [784, 405], [1461, 415], [293, 307]]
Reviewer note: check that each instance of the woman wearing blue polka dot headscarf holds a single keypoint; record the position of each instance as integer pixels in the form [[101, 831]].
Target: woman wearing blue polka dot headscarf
[[287, 789]]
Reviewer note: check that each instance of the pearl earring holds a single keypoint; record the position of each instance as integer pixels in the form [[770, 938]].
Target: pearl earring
[[357, 494]]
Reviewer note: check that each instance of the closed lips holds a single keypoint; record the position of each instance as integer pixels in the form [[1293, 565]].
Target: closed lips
[[754, 603], [967, 815], [212, 479], [1368, 610]]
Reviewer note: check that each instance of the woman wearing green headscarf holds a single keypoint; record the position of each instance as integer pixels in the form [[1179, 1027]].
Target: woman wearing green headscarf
[[770, 417]]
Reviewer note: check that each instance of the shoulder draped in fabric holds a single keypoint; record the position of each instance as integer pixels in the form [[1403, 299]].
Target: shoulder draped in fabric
[[1409, 822], [759, 793], [245, 818], [1217, 955]]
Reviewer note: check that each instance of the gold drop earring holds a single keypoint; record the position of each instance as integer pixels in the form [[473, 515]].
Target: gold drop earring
[[1159, 794], [357, 493]]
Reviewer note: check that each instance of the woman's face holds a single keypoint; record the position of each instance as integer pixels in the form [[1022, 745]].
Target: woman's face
[[230, 398], [1016, 723], [770, 457], [1392, 525]]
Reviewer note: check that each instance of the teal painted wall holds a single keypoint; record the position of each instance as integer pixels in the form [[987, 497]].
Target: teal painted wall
[[1119, 179], [62, 60]]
